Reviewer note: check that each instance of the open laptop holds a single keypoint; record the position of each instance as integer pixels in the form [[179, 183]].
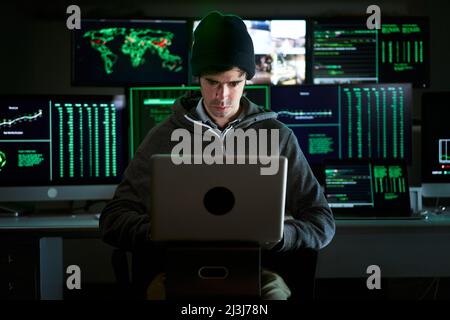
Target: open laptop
[[217, 202], [368, 189]]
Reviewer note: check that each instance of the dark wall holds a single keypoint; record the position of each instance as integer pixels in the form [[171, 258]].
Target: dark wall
[[35, 49]]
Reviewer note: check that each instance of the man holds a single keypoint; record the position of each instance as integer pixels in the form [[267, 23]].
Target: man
[[223, 59]]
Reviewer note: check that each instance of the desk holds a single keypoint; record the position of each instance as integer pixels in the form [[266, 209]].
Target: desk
[[51, 225], [31, 253], [401, 248]]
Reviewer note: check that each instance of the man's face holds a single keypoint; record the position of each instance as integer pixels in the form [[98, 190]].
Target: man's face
[[222, 93]]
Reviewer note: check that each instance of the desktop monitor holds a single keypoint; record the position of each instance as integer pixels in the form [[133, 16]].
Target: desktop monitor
[[61, 147], [435, 144], [130, 52], [347, 121], [344, 50], [280, 50], [152, 105], [404, 50], [367, 187]]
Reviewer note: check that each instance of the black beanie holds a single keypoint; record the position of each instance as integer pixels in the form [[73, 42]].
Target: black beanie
[[222, 41]]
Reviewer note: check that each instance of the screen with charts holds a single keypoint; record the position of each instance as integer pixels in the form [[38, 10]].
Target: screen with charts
[[404, 50], [280, 51], [152, 105], [347, 121], [346, 51], [365, 186], [62, 140], [349, 186], [130, 52]]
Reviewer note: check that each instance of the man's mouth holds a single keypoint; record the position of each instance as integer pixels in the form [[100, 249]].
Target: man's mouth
[[222, 107]]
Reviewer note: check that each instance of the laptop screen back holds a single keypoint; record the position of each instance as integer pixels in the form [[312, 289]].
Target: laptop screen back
[[217, 202]]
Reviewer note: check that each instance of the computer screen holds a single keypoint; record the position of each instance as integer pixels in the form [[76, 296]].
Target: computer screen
[[349, 186], [366, 186], [404, 50], [435, 144], [61, 147], [346, 51], [130, 52], [347, 121], [152, 105], [280, 50]]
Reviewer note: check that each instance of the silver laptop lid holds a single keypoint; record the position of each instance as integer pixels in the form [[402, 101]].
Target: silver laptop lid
[[233, 201]]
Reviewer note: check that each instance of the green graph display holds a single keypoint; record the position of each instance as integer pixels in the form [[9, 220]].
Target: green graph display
[[29, 158], [18, 120], [344, 51], [87, 137], [376, 122], [2, 159], [320, 143], [444, 150], [389, 181], [402, 53]]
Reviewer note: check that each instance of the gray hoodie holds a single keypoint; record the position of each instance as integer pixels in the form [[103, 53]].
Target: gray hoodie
[[125, 220]]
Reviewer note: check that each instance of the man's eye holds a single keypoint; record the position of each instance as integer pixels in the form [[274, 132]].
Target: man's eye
[[235, 83]]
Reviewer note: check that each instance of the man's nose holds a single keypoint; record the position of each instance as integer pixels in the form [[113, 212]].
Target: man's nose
[[222, 92]]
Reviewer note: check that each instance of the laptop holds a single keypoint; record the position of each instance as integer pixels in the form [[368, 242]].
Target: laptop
[[217, 202], [368, 189]]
